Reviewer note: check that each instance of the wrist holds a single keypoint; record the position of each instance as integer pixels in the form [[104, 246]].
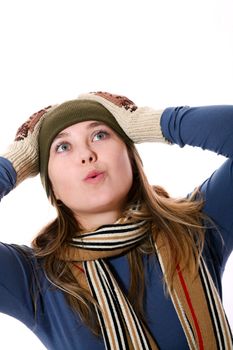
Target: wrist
[[23, 160], [145, 126], [7, 176]]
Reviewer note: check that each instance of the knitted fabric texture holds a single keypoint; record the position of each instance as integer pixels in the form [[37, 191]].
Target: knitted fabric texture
[[141, 124], [23, 152], [195, 300], [132, 124]]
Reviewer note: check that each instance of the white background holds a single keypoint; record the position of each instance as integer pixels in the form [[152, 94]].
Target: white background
[[159, 53]]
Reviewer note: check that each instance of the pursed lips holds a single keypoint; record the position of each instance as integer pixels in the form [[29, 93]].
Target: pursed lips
[[94, 176]]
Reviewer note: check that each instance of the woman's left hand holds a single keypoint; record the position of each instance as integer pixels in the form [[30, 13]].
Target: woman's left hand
[[141, 124]]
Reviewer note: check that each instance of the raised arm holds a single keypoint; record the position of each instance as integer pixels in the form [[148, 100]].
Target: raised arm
[[17, 265], [210, 128]]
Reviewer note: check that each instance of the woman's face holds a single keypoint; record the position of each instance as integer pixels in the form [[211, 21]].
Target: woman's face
[[90, 169]]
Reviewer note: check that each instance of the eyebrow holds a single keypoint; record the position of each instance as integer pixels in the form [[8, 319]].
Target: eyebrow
[[94, 124], [90, 126]]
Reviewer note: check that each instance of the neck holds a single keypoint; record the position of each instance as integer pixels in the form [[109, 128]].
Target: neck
[[92, 221]]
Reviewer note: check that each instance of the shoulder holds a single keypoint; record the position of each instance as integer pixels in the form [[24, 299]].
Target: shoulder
[[20, 253], [19, 264]]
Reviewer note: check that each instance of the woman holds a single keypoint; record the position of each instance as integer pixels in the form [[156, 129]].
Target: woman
[[123, 266]]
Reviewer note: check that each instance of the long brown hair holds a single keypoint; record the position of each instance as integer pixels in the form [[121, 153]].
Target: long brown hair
[[180, 221]]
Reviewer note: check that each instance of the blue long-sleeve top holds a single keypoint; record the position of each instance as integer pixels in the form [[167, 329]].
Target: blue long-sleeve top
[[54, 322]]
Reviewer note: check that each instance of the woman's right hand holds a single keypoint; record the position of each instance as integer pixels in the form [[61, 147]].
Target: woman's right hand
[[23, 153]]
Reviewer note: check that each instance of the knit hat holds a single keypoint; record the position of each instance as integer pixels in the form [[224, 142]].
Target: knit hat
[[65, 115]]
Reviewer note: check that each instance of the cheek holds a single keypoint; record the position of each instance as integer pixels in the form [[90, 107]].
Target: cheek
[[51, 178], [52, 171], [55, 176], [124, 168]]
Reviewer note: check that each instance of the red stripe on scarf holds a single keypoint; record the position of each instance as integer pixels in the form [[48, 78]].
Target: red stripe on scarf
[[78, 267], [185, 289]]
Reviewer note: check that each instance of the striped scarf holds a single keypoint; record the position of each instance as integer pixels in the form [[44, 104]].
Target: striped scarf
[[196, 302]]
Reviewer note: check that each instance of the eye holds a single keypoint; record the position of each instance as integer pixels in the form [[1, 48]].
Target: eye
[[100, 135], [62, 147]]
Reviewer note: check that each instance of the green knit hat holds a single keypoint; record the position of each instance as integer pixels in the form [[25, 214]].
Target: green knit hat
[[65, 115]]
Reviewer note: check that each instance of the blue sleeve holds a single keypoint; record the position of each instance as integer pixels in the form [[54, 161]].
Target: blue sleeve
[[211, 128], [16, 273], [16, 283], [7, 177]]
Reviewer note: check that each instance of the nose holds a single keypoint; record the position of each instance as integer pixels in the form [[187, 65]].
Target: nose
[[89, 160], [88, 157]]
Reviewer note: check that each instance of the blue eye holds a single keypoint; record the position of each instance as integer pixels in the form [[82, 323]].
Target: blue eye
[[63, 147], [100, 135]]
